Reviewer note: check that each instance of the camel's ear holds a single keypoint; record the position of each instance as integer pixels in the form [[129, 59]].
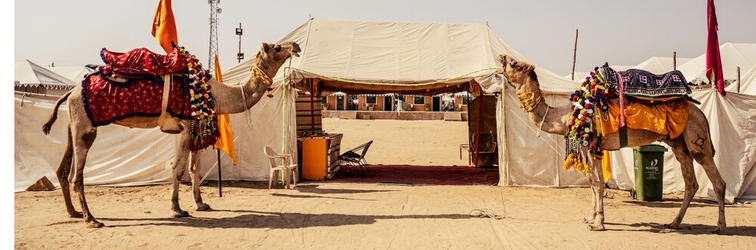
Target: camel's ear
[[265, 47], [527, 67]]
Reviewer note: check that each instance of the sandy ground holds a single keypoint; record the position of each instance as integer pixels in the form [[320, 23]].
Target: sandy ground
[[334, 215]]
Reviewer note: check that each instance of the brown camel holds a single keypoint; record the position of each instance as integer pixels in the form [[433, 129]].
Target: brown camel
[[229, 99], [693, 143]]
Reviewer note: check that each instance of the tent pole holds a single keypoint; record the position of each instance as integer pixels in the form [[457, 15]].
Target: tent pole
[[312, 109], [674, 60], [738, 70], [574, 55]]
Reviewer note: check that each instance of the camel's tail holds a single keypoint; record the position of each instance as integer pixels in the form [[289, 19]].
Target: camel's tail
[[54, 115]]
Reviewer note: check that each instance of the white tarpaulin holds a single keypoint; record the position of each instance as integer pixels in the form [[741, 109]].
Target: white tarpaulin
[[121, 156]]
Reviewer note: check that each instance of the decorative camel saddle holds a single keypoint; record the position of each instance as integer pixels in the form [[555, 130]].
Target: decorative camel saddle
[[140, 83], [658, 103]]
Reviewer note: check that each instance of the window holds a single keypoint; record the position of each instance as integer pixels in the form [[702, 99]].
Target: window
[[370, 99], [419, 100], [465, 99]]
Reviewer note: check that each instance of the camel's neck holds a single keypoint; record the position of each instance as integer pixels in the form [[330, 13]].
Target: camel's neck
[[551, 120], [231, 99]]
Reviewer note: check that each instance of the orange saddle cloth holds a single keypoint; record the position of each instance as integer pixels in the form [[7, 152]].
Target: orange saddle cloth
[[667, 118]]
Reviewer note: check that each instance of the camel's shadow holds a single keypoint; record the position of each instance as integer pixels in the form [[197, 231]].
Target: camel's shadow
[[272, 220], [686, 228]]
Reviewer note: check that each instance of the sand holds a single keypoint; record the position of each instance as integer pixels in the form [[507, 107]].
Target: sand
[[338, 215]]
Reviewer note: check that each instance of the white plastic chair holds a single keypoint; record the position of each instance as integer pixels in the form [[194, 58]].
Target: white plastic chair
[[281, 163]]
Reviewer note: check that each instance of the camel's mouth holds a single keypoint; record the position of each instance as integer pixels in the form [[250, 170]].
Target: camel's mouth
[[295, 49]]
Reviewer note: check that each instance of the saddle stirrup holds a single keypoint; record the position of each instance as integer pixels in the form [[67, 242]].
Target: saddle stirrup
[[166, 122]]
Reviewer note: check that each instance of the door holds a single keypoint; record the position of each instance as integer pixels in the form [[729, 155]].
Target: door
[[436, 103], [340, 102], [388, 103]]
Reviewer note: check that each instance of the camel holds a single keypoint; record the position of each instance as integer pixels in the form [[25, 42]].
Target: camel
[[693, 143], [229, 99]]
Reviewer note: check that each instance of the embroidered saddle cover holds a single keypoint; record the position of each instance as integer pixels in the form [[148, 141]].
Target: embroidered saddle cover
[[646, 86], [130, 84]]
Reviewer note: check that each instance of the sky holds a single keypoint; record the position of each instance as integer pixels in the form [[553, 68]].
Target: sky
[[72, 32]]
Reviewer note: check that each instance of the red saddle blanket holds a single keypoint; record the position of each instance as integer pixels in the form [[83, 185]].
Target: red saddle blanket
[[130, 84]]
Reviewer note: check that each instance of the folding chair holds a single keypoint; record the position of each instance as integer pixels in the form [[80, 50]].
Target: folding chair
[[351, 161]]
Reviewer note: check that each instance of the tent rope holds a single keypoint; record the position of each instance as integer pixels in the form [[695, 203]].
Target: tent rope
[[487, 212], [542, 138]]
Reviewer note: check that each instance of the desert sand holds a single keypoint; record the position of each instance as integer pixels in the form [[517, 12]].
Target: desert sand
[[343, 215]]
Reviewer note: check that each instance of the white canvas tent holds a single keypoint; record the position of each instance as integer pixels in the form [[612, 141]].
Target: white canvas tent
[[733, 55], [27, 73], [661, 65], [73, 73], [747, 83]]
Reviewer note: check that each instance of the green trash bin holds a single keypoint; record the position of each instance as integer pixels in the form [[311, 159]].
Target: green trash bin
[[649, 169]]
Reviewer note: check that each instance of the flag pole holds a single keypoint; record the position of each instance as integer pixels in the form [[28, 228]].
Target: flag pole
[[220, 180]]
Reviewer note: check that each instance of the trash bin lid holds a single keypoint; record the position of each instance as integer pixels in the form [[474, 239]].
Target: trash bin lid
[[651, 148]]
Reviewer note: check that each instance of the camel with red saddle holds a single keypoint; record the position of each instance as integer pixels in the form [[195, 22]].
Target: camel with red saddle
[[689, 141], [99, 101]]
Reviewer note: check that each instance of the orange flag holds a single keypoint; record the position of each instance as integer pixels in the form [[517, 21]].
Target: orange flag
[[226, 140], [164, 26]]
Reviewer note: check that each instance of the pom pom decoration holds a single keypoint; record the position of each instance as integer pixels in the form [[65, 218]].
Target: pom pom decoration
[[593, 93], [203, 128]]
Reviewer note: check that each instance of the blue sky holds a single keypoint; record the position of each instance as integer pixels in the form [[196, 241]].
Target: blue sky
[[72, 32]]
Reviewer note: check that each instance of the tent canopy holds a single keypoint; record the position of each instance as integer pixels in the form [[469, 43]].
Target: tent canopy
[[365, 57]]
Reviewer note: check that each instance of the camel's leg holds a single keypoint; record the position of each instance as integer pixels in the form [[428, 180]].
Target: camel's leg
[[682, 154], [83, 137], [697, 140], [182, 155], [596, 177], [592, 217], [63, 171], [194, 172]]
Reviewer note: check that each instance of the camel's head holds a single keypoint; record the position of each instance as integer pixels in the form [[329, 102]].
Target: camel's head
[[276, 54], [516, 72]]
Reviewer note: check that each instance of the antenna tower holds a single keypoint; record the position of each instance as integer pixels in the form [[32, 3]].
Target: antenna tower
[[213, 48]]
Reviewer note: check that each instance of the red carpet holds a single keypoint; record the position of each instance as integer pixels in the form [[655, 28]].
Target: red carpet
[[422, 175]]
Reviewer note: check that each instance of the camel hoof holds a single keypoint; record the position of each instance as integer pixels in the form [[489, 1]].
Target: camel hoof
[[203, 207], [596, 228], [75, 214], [179, 214], [94, 224]]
